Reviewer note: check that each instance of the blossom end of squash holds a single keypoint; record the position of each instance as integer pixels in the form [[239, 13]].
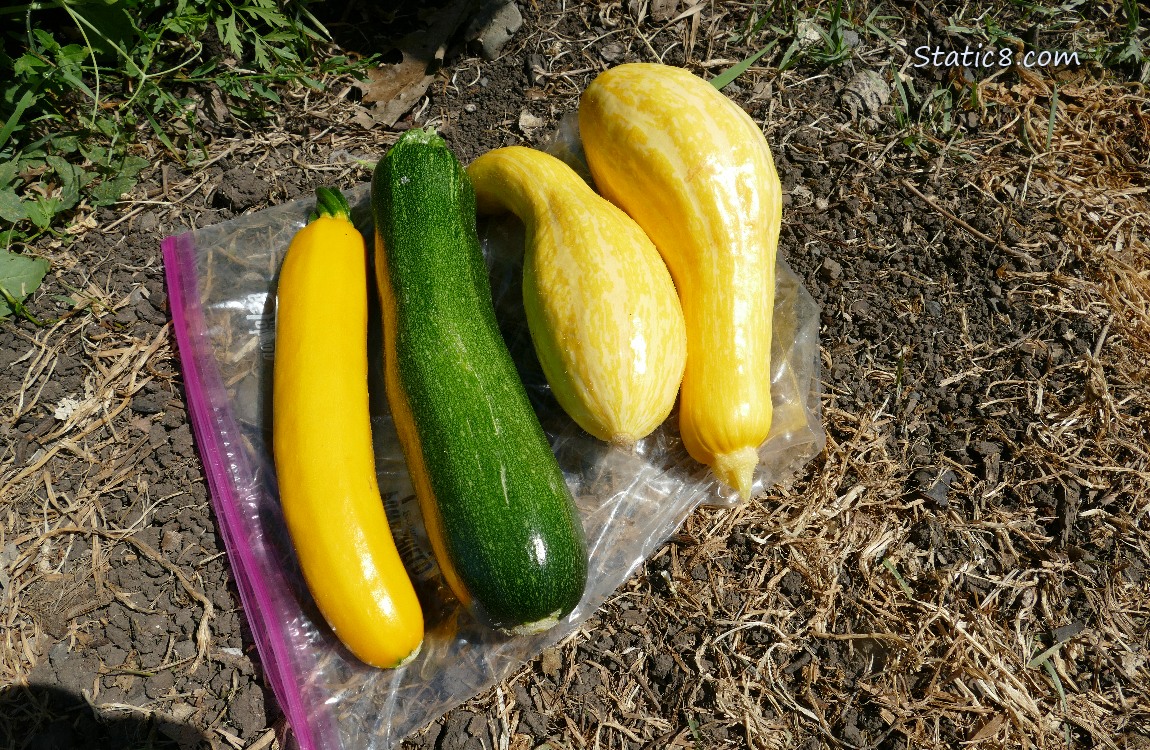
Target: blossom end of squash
[[410, 657], [737, 469]]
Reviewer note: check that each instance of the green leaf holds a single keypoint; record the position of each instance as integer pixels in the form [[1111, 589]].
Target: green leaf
[[1053, 115], [71, 179], [106, 125], [234, 87], [20, 275], [132, 165], [164, 139], [14, 120], [109, 191], [28, 65], [226, 30], [796, 46], [260, 53], [274, 17], [11, 207], [204, 69], [76, 82], [47, 42], [60, 166], [72, 55], [42, 210], [722, 80], [65, 144], [265, 92], [95, 154], [8, 172]]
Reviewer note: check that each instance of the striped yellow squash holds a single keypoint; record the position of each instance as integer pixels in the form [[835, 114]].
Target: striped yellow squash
[[695, 172], [604, 317]]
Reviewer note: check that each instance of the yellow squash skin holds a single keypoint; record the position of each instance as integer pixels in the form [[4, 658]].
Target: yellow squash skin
[[322, 445], [601, 306], [695, 172]]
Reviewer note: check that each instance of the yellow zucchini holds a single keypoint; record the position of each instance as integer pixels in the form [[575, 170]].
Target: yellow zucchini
[[695, 172], [322, 443], [601, 307]]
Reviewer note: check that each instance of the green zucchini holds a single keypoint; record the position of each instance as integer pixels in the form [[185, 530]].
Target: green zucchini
[[502, 522]]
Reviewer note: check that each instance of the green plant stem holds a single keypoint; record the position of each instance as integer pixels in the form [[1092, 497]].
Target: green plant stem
[[76, 18], [17, 308], [906, 589]]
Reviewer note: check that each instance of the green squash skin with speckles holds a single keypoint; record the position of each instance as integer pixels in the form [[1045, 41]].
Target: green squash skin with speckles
[[502, 521]]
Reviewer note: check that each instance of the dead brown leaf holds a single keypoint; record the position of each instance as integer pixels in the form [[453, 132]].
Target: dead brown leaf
[[394, 89]]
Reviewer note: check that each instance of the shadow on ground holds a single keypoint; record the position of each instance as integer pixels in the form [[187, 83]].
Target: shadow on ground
[[42, 717]]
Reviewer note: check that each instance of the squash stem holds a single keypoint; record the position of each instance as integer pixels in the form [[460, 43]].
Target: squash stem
[[330, 202]]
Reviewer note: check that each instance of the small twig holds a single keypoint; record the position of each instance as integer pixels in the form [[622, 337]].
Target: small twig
[[142, 205], [1102, 336], [1012, 251], [51, 452], [264, 741], [893, 638], [127, 670]]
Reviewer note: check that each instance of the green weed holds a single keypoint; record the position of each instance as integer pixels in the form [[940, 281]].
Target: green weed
[[1131, 49], [821, 36], [82, 78], [20, 275]]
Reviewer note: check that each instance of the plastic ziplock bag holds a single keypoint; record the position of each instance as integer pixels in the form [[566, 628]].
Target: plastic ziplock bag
[[221, 282]]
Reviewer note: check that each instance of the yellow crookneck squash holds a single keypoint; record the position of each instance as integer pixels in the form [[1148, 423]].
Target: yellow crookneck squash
[[322, 443], [695, 172], [601, 306]]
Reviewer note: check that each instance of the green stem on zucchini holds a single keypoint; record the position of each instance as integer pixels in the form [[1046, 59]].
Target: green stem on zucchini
[[422, 136], [330, 202]]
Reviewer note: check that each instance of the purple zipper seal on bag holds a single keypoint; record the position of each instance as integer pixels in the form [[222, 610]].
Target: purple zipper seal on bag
[[263, 587]]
